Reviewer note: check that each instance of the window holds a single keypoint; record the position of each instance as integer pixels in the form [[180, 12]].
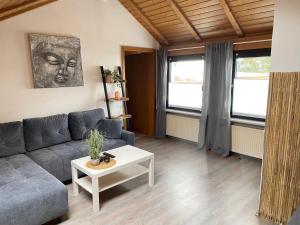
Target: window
[[185, 80], [250, 84]]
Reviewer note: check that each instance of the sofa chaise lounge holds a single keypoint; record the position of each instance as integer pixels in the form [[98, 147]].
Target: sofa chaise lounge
[[35, 158]]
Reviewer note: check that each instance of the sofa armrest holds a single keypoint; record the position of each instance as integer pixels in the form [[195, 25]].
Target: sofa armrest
[[128, 136]]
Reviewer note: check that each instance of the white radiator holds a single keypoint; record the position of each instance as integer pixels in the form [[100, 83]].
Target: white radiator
[[183, 127], [247, 141]]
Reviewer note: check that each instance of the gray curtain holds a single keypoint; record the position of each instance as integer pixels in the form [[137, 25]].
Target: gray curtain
[[161, 91], [214, 130]]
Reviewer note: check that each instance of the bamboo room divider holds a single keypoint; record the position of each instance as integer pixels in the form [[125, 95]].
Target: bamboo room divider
[[280, 187]]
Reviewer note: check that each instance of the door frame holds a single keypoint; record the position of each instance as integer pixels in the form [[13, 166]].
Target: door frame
[[134, 50]]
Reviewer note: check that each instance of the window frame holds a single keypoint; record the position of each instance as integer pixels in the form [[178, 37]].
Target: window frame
[[245, 54], [176, 59]]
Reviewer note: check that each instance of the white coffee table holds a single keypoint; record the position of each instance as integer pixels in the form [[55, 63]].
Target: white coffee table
[[128, 166]]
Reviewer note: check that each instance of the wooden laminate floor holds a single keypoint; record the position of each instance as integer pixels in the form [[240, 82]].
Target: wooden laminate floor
[[192, 187]]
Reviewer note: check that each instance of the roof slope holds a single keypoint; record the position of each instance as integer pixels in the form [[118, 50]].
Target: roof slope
[[177, 21], [9, 8]]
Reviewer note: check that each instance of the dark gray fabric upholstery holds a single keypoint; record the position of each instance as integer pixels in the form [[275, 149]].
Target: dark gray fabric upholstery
[[11, 139], [128, 137], [29, 194], [46, 131], [110, 128], [57, 159], [80, 123], [113, 143]]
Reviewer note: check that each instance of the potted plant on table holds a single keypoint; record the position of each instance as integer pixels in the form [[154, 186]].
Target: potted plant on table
[[95, 146]]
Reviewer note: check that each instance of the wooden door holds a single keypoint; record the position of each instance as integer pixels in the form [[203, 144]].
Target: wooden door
[[141, 90]]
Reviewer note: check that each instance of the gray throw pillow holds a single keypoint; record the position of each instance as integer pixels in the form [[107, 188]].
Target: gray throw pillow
[[42, 132], [81, 123], [11, 139], [110, 128]]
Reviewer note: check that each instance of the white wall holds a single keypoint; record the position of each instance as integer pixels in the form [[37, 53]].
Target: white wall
[[286, 36], [101, 25]]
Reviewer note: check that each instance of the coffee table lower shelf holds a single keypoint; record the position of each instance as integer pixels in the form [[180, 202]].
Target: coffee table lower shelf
[[113, 179]]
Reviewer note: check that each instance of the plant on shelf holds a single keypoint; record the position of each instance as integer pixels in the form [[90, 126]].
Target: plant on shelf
[[117, 78], [95, 145], [107, 72], [114, 76], [108, 75]]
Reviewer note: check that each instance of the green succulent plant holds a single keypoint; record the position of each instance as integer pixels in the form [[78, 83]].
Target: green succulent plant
[[95, 144], [107, 72]]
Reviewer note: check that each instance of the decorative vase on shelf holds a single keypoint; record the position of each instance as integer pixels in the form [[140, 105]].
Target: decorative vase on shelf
[[117, 95]]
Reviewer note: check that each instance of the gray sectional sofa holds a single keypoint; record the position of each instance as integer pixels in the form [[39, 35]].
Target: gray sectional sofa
[[35, 158]]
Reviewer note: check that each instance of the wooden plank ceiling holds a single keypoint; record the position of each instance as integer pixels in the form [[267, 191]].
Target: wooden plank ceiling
[[9, 8], [181, 21]]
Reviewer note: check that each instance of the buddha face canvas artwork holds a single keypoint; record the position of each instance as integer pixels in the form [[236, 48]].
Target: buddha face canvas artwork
[[56, 61]]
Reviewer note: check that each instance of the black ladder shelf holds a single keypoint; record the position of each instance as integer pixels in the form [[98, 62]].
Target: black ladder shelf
[[125, 116]]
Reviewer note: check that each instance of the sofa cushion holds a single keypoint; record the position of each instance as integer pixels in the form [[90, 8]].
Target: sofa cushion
[[113, 143], [80, 123], [57, 159], [46, 131], [110, 128], [11, 139], [29, 194]]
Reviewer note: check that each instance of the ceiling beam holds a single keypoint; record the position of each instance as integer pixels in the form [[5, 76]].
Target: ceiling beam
[[185, 20], [141, 15], [237, 28], [21, 8]]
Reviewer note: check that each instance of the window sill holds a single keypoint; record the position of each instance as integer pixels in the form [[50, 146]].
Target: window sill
[[184, 113], [248, 122]]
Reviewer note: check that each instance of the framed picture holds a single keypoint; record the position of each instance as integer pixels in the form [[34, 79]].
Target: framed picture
[[56, 61]]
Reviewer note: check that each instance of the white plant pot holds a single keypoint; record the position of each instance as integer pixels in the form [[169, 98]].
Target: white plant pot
[[95, 162]]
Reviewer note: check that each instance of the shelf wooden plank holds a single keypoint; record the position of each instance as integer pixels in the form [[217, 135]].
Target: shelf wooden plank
[[113, 179], [122, 117], [123, 99]]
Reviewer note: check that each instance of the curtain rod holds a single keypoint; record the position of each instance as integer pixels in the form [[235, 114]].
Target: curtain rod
[[236, 41]]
